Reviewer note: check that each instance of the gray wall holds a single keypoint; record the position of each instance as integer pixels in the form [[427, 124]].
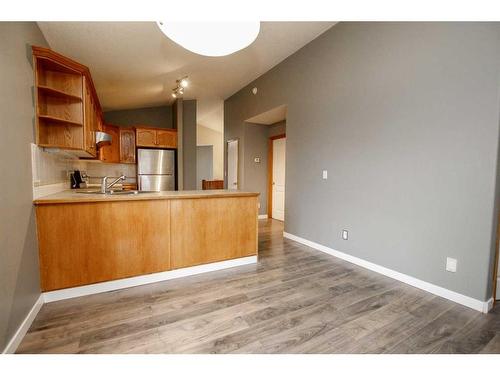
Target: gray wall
[[177, 124], [19, 277], [255, 174], [160, 117], [256, 145], [189, 143], [405, 117], [204, 164]]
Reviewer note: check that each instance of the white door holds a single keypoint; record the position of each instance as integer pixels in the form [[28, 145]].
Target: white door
[[232, 164], [279, 151]]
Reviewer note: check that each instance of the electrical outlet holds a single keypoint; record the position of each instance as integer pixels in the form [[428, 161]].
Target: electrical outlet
[[345, 235], [325, 174], [451, 265]]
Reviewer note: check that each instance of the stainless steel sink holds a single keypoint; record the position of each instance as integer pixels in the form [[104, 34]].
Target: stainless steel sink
[[88, 192], [115, 192]]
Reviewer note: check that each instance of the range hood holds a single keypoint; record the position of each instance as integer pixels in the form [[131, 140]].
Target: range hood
[[102, 139]]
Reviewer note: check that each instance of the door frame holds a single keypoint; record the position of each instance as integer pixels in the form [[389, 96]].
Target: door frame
[[270, 173], [226, 146]]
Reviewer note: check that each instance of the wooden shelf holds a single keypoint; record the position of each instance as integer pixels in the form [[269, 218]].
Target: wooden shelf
[[67, 107], [58, 93], [51, 64], [62, 147], [58, 120]]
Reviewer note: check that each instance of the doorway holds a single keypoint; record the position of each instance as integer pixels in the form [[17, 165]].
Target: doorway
[[232, 164], [276, 177]]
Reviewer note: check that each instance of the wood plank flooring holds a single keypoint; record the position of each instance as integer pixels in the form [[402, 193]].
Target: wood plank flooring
[[295, 300]]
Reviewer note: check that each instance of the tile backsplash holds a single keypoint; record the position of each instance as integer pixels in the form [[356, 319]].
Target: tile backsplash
[[53, 167], [97, 170]]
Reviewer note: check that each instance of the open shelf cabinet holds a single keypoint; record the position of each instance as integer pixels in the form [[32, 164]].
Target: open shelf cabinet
[[68, 112]]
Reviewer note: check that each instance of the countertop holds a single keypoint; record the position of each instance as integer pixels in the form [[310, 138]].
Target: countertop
[[72, 196]]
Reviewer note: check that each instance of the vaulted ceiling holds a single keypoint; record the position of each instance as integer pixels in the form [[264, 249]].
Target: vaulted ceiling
[[134, 65]]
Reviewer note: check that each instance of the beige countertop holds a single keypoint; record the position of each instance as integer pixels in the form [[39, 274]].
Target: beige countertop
[[72, 196]]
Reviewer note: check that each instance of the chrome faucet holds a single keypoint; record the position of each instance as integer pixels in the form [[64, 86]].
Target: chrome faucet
[[105, 187]]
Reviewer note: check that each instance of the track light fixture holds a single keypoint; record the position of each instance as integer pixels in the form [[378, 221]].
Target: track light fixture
[[178, 90]]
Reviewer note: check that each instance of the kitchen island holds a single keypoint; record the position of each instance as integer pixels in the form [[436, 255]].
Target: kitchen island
[[86, 239]]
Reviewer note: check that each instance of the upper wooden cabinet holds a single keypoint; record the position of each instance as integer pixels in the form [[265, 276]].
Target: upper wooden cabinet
[[111, 153], [127, 145], [68, 112], [145, 137], [122, 147], [166, 138], [156, 137]]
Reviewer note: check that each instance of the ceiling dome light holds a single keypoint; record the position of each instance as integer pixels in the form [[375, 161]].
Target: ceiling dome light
[[211, 38]]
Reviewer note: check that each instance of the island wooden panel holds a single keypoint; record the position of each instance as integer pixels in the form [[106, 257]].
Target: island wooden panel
[[85, 243], [212, 229]]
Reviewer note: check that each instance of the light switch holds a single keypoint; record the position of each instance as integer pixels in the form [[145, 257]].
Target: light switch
[[325, 174], [451, 265]]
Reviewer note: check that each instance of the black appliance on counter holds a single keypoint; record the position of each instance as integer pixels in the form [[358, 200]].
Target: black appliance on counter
[[76, 179]]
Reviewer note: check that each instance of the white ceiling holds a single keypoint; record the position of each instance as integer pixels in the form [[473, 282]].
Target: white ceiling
[[134, 65], [269, 117]]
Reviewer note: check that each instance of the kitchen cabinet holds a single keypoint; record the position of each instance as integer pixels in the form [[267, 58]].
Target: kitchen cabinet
[[122, 147], [111, 153], [146, 137], [86, 243], [166, 138], [85, 239], [127, 145], [68, 112], [155, 137], [212, 229]]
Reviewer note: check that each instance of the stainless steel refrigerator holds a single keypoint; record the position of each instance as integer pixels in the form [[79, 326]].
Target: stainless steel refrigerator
[[155, 169]]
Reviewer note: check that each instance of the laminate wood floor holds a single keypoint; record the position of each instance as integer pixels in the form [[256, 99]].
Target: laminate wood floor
[[295, 300]]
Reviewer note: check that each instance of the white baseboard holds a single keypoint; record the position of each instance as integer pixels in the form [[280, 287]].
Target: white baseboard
[[23, 328], [488, 305], [85, 290], [263, 216], [108, 286], [483, 306]]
